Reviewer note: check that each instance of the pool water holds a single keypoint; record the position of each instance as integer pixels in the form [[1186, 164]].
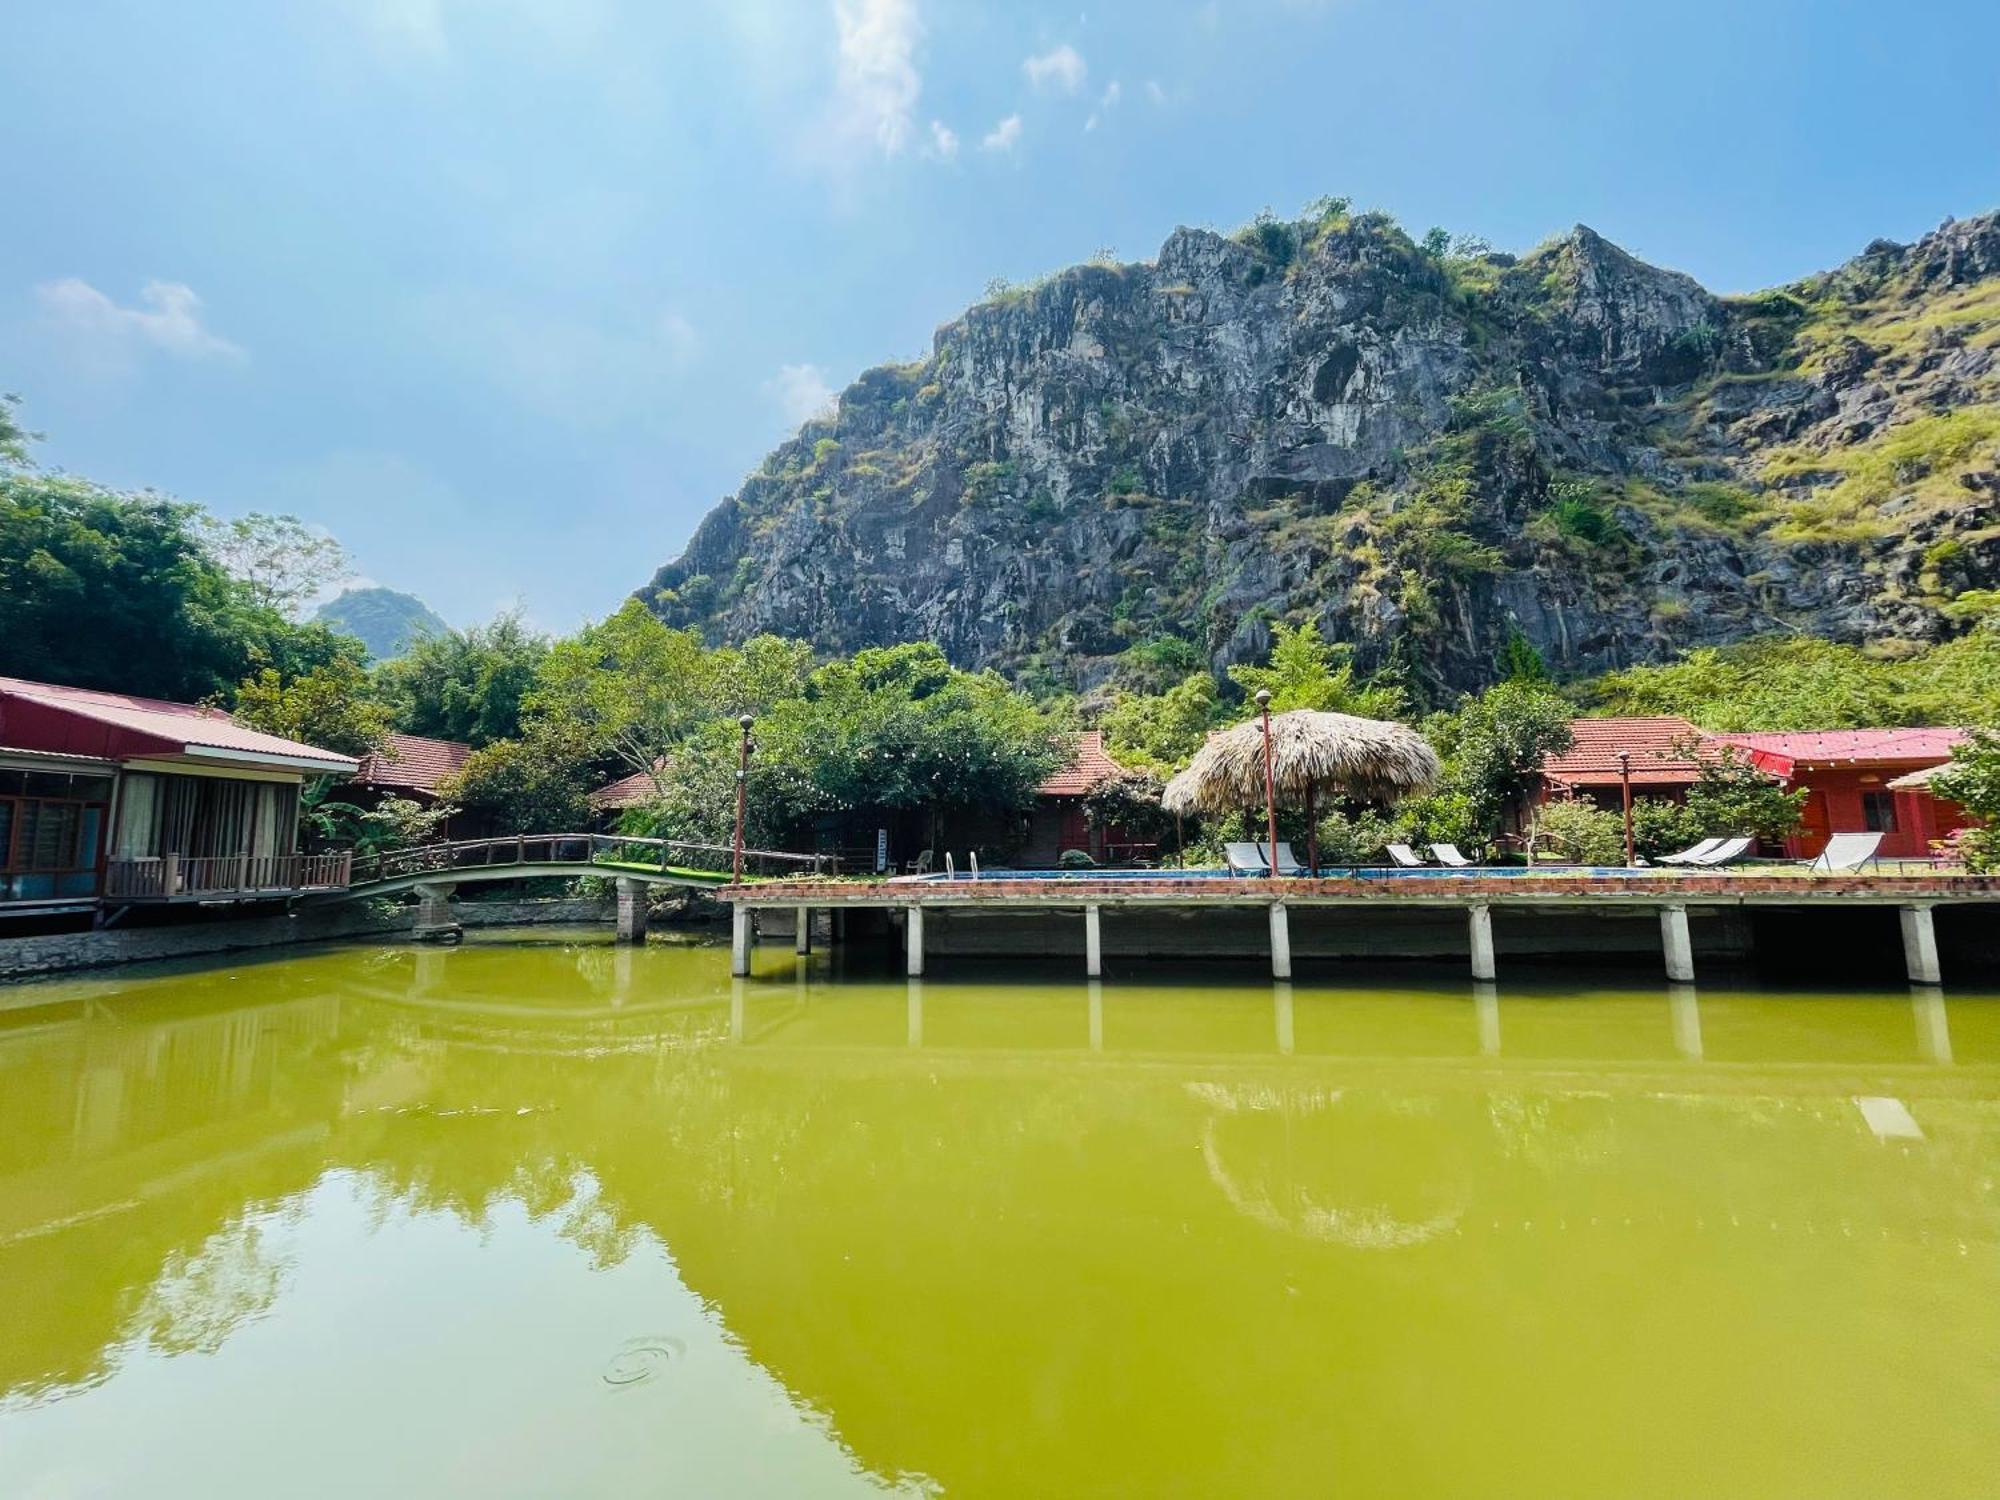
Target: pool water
[[541, 1217]]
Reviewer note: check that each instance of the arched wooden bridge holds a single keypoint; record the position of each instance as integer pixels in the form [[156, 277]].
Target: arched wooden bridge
[[566, 856]]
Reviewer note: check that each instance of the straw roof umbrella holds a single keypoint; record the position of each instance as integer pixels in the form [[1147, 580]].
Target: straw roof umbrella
[[1371, 760]]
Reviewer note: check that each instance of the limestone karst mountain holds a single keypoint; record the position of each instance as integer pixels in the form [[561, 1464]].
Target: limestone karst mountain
[[1426, 448]]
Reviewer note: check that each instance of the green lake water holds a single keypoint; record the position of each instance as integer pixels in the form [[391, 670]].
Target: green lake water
[[542, 1217]]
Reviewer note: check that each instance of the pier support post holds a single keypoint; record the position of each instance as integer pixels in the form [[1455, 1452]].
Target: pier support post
[[631, 910], [1479, 927], [435, 923], [802, 929], [739, 940], [1093, 944], [1281, 941], [914, 940], [1680, 947], [1920, 955]]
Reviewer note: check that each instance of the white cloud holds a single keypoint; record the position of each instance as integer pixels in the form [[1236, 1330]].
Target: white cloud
[[1060, 68], [944, 141], [1154, 92], [876, 70], [800, 392], [97, 328], [1105, 105], [1002, 137]]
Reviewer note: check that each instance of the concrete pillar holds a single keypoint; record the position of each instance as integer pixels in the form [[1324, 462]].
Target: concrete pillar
[[1680, 947], [913, 934], [1281, 941], [1920, 955], [1093, 944], [434, 919], [1479, 924], [1281, 1014], [1933, 1029], [631, 910], [802, 929], [1486, 1006], [1684, 1009], [1096, 1015], [739, 940], [915, 1021]]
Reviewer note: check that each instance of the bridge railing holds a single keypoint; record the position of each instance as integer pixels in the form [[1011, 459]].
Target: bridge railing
[[609, 849]]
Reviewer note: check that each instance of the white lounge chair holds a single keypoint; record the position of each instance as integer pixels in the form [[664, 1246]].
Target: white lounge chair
[[1723, 853], [1246, 859], [1845, 852], [1447, 854], [1287, 863], [1404, 855], [1692, 854]]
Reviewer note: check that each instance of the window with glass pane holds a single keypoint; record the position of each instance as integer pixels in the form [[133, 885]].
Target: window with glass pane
[[1878, 811]]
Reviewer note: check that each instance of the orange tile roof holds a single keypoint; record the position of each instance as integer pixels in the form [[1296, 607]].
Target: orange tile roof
[[635, 790], [410, 762], [1651, 741], [1087, 768]]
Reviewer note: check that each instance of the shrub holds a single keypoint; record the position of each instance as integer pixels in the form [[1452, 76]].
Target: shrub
[[1076, 859], [1572, 831]]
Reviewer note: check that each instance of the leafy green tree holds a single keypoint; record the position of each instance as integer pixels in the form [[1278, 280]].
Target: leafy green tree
[[106, 590], [1493, 746], [629, 685], [281, 562], [1306, 670], [1130, 802], [537, 784], [13, 440], [1973, 782], [1570, 830], [1160, 732], [1157, 665], [1520, 661], [465, 685], [1734, 797], [329, 706]]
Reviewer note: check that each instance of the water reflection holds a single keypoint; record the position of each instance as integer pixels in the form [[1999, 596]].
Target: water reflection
[[1193, 1255]]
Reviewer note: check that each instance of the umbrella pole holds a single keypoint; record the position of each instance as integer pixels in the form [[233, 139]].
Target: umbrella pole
[[1270, 784], [1312, 831]]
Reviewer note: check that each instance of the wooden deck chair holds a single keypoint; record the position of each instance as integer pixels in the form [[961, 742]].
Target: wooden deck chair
[[1845, 852], [1447, 854]]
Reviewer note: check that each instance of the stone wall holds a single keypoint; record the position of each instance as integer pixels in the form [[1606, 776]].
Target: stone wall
[[59, 952]]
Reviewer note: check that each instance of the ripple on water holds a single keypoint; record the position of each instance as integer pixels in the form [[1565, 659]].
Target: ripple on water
[[642, 1359]]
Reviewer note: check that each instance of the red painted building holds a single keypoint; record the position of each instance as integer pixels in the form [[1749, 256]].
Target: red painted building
[[1847, 775], [1058, 822]]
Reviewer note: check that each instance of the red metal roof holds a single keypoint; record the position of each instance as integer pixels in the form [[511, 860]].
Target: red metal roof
[[48, 716], [1786, 751], [1088, 767], [410, 762], [1652, 742]]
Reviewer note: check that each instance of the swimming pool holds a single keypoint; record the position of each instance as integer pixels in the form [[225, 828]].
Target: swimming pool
[[1370, 872]]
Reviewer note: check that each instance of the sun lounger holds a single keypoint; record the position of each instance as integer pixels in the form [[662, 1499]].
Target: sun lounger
[[1725, 852], [1404, 855], [1846, 851], [1287, 863], [1246, 859], [1447, 854], [1692, 854]]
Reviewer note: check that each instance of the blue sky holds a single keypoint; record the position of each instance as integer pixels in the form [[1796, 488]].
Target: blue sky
[[507, 293]]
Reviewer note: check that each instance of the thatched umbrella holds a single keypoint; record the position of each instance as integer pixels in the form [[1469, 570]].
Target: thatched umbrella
[[1371, 760]]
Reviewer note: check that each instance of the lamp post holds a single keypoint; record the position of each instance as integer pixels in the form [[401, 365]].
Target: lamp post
[[1270, 783], [1625, 785], [742, 794]]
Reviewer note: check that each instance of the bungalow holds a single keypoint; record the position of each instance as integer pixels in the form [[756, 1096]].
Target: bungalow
[[1058, 824], [412, 765], [108, 799], [1657, 755], [627, 792], [1859, 781]]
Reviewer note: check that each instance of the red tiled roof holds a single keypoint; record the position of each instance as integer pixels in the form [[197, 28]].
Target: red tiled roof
[[1785, 751], [635, 790], [1651, 742], [410, 762], [172, 728], [1088, 767]]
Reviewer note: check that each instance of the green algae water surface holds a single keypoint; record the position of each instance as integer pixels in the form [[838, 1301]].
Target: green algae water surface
[[540, 1217]]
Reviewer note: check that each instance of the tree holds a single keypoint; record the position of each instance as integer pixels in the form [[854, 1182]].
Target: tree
[[281, 561], [538, 784], [1161, 732], [1520, 661], [1493, 747], [1130, 802], [13, 441], [106, 590], [1305, 670], [1972, 780], [329, 707], [1570, 830], [1732, 797], [630, 685], [466, 685]]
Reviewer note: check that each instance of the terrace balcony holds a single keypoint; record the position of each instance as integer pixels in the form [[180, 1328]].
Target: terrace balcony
[[227, 877]]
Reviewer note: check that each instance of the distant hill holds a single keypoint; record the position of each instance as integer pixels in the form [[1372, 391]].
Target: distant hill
[[384, 621]]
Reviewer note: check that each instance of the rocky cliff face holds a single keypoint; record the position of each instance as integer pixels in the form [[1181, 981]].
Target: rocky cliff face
[[1424, 451]]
